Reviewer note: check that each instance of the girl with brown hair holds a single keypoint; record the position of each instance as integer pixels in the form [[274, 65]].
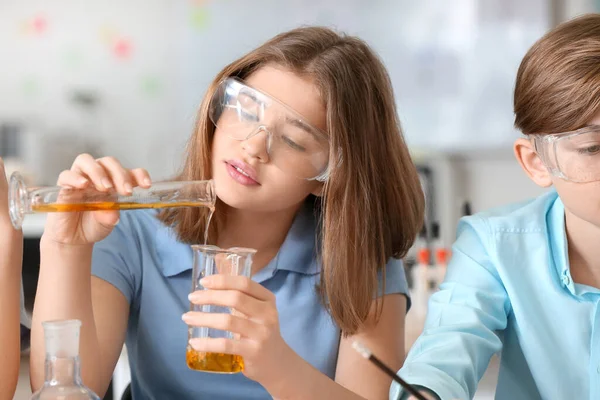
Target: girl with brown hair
[[303, 142]]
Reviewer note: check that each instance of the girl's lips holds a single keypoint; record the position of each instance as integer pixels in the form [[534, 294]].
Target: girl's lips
[[240, 175], [244, 168]]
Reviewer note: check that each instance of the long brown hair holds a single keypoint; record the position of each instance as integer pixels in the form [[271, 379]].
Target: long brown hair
[[372, 204], [558, 82]]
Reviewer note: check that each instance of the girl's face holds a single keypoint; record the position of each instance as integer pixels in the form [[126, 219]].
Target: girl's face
[[244, 174]]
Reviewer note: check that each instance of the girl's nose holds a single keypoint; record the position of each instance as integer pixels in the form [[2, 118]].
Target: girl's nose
[[257, 144]]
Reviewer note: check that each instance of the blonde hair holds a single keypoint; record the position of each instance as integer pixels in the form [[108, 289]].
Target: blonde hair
[[558, 82], [372, 204]]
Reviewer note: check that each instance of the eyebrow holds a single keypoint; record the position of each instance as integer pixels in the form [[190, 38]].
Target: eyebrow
[[292, 121], [252, 96], [304, 126]]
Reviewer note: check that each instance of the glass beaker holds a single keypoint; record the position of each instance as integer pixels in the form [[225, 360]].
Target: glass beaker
[[26, 200], [211, 260], [63, 379]]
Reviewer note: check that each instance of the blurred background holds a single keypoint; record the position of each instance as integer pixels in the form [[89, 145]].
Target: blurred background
[[124, 78]]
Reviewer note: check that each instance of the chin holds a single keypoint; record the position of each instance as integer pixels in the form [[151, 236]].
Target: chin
[[263, 198], [236, 198], [252, 202]]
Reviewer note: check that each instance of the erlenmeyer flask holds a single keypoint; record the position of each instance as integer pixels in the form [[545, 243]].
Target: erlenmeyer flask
[[63, 379]]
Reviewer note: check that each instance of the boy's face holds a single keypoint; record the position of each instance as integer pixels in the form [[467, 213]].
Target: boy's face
[[581, 200]]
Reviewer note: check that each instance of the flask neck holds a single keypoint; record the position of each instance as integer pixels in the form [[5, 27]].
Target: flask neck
[[62, 371]]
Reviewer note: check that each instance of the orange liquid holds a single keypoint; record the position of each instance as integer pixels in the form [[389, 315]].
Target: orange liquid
[[111, 205], [214, 362]]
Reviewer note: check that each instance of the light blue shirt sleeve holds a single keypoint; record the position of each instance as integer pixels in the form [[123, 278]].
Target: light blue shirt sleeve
[[463, 320], [116, 259]]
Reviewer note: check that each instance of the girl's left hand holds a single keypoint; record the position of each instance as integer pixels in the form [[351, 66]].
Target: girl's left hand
[[259, 342]]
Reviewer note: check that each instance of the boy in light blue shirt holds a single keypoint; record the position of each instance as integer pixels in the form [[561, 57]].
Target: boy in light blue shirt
[[524, 280]]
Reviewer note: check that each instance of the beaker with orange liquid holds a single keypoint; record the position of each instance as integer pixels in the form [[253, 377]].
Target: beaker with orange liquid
[[210, 260]]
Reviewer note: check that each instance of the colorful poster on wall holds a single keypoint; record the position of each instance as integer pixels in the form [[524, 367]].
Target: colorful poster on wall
[[120, 46], [199, 18], [35, 26]]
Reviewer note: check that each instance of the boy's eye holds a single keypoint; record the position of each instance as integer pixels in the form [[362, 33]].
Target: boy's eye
[[590, 150]]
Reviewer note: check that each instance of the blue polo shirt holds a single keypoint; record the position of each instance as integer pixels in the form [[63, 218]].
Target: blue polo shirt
[[144, 260]]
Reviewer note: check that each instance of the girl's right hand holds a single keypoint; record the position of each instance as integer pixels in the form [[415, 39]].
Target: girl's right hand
[[104, 174]]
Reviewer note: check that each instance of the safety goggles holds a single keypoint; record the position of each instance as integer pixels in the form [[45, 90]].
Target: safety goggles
[[573, 156], [293, 145]]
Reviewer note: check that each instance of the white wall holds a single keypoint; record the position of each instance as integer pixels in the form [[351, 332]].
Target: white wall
[[573, 8], [495, 180], [486, 178], [75, 51]]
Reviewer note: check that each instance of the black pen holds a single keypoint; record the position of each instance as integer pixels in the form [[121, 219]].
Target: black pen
[[366, 353]]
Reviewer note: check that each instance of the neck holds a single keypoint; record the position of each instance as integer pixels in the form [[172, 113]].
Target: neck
[[584, 252], [62, 371], [263, 231]]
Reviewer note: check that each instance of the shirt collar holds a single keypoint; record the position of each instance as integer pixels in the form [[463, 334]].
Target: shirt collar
[[296, 254], [298, 251]]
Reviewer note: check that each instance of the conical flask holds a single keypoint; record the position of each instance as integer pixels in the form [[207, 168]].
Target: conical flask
[[63, 375]]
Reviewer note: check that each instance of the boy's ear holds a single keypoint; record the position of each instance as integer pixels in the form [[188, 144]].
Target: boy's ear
[[531, 163]]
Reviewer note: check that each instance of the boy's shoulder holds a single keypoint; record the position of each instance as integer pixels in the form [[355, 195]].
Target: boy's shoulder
[[522, 217]]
